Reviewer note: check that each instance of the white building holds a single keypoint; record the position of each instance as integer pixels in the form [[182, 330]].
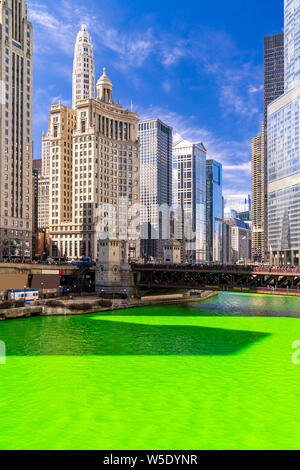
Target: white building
[[45, 156], [291, 44], [83, 68], [155, 185], [94, 168], [190, 187], [237, 241], [43, 202]]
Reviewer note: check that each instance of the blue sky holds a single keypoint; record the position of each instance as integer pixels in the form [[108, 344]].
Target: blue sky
[[197, 65]]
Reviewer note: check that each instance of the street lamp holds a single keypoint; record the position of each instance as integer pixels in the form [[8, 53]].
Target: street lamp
[[42, 289]]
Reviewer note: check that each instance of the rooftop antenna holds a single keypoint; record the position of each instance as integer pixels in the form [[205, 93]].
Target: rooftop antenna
[[131, 106]]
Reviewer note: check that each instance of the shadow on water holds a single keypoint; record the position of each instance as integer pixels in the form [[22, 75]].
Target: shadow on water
[[224, 305], [71, 337]]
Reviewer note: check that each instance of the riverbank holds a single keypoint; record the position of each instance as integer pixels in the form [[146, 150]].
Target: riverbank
[[68, 308]]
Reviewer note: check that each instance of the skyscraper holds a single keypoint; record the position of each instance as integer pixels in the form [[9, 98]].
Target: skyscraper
[[155, 183], [273, 70], [83, 68], [284, 151], [237, 241], [36, 173], [291, 44], [273, 88], [190, 162], [16, 131], [45, 156], [214, 211], [94, 168], [258, 197], [43, 203]]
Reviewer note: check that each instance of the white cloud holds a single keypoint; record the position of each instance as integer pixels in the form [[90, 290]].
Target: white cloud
[[187, 128], [167, 86], [237, 81], [172, 55], [211, 52], [234, 155], [235, 200], [237, 93], [253, 89], [56, 27], [246, 167]]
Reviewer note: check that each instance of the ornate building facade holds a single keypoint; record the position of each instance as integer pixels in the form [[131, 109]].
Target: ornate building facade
[[83, 68], [94, 181]]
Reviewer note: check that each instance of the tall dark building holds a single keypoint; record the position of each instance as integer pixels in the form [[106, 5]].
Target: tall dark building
[[36, 171], [214, 211], [273, 69], [156, 184], [273, 88], [16, 69]]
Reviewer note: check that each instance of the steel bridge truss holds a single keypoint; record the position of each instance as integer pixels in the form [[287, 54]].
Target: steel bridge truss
[[147, 278]]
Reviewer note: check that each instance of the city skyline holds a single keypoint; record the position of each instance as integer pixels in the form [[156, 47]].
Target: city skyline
[[190, 92], [149, 229]]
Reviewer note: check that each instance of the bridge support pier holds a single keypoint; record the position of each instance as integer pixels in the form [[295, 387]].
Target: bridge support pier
[[113, 273]]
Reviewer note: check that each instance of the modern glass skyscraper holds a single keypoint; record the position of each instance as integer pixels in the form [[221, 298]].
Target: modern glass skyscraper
[[190, 161], [237, 241], [214, 211], [83, 68], [155, 183], [291, 44], [273, 88], [16, 220], [284, 151]]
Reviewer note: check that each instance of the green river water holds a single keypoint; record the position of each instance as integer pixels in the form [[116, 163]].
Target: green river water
[[213, 375]]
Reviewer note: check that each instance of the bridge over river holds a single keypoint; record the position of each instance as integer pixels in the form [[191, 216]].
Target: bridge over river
[[218, 278]]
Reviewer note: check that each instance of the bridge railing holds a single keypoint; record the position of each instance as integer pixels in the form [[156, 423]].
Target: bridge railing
[[217, 268]]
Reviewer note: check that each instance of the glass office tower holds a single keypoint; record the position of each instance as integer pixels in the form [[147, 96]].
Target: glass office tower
[[155, 185], [190, 161], [273, 88], [284, 152], [214, 211], [291, 44]]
